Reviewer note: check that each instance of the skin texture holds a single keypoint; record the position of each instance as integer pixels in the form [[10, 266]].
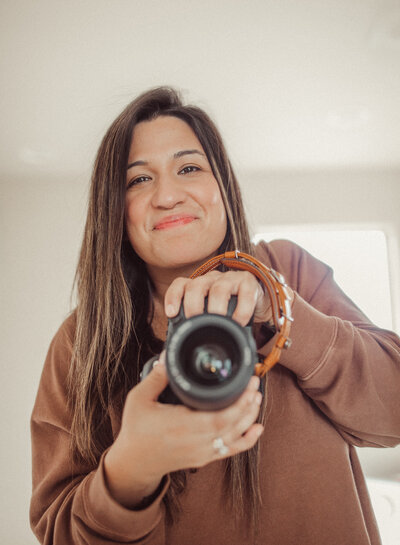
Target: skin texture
[[169, 188], [175, 220]]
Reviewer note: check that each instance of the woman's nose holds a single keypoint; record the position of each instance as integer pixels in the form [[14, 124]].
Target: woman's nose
[[168, 192]]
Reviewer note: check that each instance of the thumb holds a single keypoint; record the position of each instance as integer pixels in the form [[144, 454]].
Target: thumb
[[156, 381]]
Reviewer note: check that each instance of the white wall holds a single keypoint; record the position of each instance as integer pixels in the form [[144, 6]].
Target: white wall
[[349, 199], [41, 226], [41, 223]]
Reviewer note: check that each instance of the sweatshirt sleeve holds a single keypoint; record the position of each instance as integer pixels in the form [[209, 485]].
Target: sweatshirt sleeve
[[349, 367], [70, 502]]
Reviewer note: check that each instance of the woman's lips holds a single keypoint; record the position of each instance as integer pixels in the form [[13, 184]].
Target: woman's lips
[[173, 221]]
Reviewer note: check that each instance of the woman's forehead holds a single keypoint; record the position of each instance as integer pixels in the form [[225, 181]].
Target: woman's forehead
[[163, 133]]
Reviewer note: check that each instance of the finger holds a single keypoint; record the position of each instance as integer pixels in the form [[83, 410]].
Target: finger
[[263, 310], [154, 383], [248, 419], [224, 449], [248, 440], [221, 291], [221, 422], [248, 294], [191, 291], [195, 293], [219, 296], [162, 358], [240, 283], [173, 296], [243, 413]]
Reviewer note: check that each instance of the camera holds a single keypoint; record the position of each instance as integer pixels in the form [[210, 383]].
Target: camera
[[210, 359]]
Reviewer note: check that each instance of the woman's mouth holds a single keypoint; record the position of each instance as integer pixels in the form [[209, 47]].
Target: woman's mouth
[[173, 221]]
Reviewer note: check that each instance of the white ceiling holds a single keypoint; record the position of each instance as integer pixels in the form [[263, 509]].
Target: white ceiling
[[293, 84]]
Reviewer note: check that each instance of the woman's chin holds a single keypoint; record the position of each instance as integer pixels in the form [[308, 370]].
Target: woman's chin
[[191, 258]]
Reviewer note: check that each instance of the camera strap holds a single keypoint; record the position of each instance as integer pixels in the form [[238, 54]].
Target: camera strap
[[276, 288]]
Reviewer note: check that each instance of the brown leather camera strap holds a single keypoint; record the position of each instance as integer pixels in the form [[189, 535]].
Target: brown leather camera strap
[[278, 294]]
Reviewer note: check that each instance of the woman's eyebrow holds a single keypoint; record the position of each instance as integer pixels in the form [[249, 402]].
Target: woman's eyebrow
[[136, 163], [176, 155], [187, 152]]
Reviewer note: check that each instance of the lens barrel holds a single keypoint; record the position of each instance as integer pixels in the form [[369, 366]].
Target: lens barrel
[[210, 359]]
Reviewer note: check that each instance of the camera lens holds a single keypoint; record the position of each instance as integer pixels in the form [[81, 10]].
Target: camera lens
[[210, 359], [210, 355], [212, 363]]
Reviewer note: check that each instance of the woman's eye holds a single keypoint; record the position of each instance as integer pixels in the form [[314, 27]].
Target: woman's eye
[[138, 180], [189, 168]]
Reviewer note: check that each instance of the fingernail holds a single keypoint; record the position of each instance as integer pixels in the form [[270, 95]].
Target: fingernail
[[170, 311], [258, 398], [159, 363]]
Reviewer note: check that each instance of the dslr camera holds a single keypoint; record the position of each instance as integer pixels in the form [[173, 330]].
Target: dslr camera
[[210, 359]]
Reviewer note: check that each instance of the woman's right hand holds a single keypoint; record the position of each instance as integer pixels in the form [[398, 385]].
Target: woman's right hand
[[156, 439]]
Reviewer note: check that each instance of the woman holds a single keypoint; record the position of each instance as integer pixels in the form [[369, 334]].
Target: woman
[[110, 463]]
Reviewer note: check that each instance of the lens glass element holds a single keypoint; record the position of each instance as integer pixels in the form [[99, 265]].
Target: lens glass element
[[212, 362], [210, 356]]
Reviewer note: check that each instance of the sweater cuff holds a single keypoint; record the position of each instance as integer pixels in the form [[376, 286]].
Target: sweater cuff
[[312, 334], [118, 521]]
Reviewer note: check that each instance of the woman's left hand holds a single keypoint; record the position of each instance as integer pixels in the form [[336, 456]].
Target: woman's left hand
[[219, 287]]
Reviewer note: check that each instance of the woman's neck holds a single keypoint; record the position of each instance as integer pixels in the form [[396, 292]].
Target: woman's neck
[[162, 278]]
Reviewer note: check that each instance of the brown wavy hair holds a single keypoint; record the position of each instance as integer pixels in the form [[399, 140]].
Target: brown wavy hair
[[113, 335]]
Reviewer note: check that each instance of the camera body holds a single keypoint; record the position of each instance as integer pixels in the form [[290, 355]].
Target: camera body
[[210, 359]]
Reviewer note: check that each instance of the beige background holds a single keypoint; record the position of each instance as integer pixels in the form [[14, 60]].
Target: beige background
[[306, 93]]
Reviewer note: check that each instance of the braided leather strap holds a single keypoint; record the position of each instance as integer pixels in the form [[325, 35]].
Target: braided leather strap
[[278, 294]]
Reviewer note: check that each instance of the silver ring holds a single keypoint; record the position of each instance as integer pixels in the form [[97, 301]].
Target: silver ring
[[220, 447]]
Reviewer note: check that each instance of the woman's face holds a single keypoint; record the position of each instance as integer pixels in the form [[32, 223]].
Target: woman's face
[[174, 211]]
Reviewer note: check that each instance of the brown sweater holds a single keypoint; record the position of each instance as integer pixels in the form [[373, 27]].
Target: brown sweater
[[336, 387]]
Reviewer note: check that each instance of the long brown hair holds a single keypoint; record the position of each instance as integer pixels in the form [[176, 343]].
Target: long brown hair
[[113, 335]]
